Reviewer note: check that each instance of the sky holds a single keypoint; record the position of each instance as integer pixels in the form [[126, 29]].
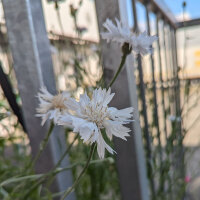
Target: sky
[[192, 9]]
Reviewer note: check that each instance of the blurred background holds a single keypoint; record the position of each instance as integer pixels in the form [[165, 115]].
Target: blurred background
[[167, 83]]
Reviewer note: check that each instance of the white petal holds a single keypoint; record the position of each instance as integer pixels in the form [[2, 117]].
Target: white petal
[[122, 115], [89, 132], [72, 104], [116, 129], [66, 94], [142, 43], [108, 97], [77, 122], [66, 120], [84, 99], [44, 118], [44, 93], [101, 145], [119, 33]]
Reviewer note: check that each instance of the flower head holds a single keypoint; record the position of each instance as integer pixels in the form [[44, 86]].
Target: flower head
[[92, 116], [51, 106], [187, 179], [117, 33], [140, 43], [173, 118]]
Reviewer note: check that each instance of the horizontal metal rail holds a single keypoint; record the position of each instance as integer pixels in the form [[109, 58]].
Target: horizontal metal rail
[[193, 22]]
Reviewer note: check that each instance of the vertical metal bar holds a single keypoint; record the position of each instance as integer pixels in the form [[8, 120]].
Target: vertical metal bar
[[33, 67], [173, 106], [166, 61], [142, 90], [174, 82], [161, 77], [135, 28], [167, 44], [134, 101], [167, 66], [170, 74], [130, 157], [178, 110], [173, 57], [144, 109], [153, 78], [155, 105]]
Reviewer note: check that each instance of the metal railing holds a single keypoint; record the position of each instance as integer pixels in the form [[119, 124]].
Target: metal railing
[[160, 101]]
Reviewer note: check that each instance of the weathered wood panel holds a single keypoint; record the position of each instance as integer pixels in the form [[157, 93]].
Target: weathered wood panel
[[33, 67], [130, 155]]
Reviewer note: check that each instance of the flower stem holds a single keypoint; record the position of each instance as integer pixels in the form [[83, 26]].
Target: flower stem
[[126, 50], [52, 173], [69, 190], [61, 159], [42, 145], [119, 69], [59, 18]]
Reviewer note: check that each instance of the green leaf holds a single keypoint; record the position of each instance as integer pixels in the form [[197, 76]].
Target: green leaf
[[3, 192], [18, 179]]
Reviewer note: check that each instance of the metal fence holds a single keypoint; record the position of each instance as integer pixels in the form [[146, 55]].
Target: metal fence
[[160, 98]]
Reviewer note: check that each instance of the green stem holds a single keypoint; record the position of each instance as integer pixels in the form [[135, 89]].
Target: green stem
[[69, 190], [119, 69], [44, 142], [82, 164], [51, 174], [61, 159], [66, 152], [59, 18], [42, 177], [42, 146]]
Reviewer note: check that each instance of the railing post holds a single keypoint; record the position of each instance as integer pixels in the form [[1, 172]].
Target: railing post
[[161, 76], [130, 154], [30, 50]]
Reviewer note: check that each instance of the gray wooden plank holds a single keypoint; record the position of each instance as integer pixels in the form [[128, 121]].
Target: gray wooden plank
[[33, 67], [130, 155]]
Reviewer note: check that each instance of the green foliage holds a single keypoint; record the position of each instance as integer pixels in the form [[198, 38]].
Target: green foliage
[[100, 181]]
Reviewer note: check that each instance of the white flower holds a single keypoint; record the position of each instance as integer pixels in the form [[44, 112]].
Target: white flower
[[93, 115], [50, 106], [119, 33], [140, 43], [173, 118]]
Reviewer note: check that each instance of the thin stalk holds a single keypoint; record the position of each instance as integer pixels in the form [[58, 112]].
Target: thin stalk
[[57, 171], [146, 126], [72, 166], [44, 143], [51, 174], [42, 146], [59, 17], [81, 163], [27, 194], [69, 190], [119, 69], [66, 152], [61, 159]]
